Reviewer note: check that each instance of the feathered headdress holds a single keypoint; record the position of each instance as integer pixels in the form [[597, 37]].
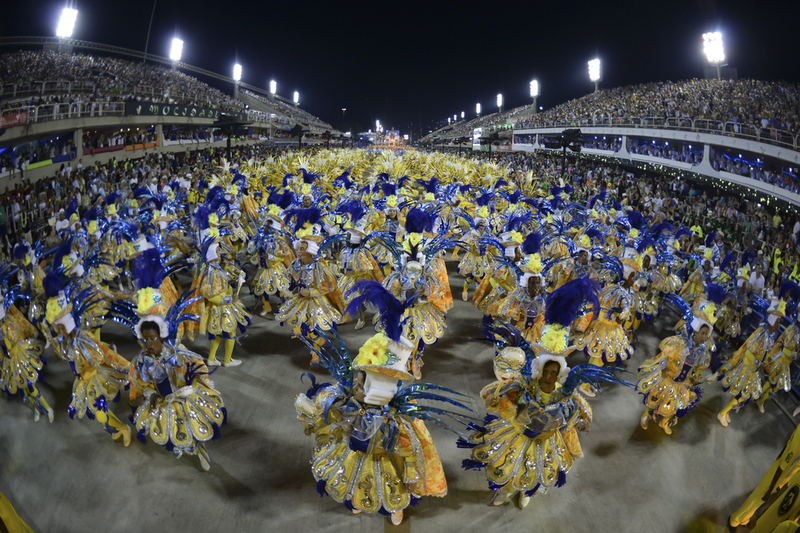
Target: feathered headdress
[[636, 221], [791, 289], [418, 221], [532, 243], [302, 217], [659, 229], [389, 309], [711, 238], [683, 232], [561, 309]]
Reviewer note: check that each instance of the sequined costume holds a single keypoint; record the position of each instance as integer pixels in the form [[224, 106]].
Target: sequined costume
[[605, 339], [321, 307], [181, 409], [21, 360], [534, 443]]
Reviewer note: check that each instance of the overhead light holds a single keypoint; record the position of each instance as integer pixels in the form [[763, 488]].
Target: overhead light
[[67, 23], [237, 72], [176, 50]]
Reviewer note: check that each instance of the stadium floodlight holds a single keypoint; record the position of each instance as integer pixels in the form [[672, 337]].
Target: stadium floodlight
[[595, 74], [712, 46], [296, 98], [478, 109], [455, 118], [534, 93], [448, 120], [500, 101], [462, 115], [237, 72], [66, 23], [177, 49], [273, 87]]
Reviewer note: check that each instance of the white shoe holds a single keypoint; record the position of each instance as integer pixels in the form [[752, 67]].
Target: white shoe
[[356, 511], [36, 415], [645, 419], [760, 407], [204, 464], [723, 420], [47, 344], [50, 414], [359, 324], [212, 362], [397, 517], [465, 296], [523, 500], [232, 362]]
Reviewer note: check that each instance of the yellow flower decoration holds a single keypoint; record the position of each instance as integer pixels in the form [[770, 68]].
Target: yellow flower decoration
[[634, 233], [213, 219], [54, 309], [549, 218], [535, 263], [234, 190], [274, 210], [483, 212], [374, 351], [305, 189], [595, 214], [134, 203], [93, 226], [391, 201], [112, 209], [429, 197], [74, 217], [412, 239], [305, 231], [148, 298], [585, 241], [554, 338], [708, 253]]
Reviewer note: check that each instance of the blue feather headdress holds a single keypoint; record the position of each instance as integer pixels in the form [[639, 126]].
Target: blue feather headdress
[[716, 294], [148, 271], [21, 250], [644, 244], [388, 189], [711, 238], [564, 303], [532, 243], [389, 309], [684, 231], [201, 217], [311, 215], [636, 220], [728, 262], [595, 234], [418, 221], [749, 255], [659, 229], [112, 198], [791, 289], [597, 198], [52, 284]]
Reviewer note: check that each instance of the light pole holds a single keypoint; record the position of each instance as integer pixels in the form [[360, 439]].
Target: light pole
[[712, 46], [478, 109], [237, 77], [534, 93], [595, 72], [147, 41], [343, 110], [500, 102], [176, 52]]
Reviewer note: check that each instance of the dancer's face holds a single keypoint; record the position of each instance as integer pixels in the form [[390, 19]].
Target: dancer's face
[[152, 342], [701, 335], [547, 381]]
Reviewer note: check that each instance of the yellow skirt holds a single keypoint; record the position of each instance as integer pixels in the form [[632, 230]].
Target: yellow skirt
[[522, 462], [662, 395], [185, 418], [742, 381], [311, 310], [22, 367], [606, 340], [271, 280]]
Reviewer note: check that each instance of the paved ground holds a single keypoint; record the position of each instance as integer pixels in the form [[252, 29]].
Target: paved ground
[[70, 476]]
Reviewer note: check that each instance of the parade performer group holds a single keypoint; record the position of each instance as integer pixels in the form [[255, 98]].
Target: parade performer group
[[332, 238]]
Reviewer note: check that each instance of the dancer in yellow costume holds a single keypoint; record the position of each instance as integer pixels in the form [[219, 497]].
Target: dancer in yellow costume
[[670, 382], [316, 301], [272, 252], [777, 365], [181, 409], [534, 443], [741, 374], [605, 340], [372, 450], [21, 358], [100, 372]]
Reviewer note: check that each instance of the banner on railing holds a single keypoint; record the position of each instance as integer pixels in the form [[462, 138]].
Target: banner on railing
[[178, 111], [13, 119]]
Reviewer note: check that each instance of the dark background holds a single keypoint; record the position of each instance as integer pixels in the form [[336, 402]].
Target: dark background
[[411, 64]]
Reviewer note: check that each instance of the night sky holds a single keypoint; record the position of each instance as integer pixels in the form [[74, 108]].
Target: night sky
[[410, 64]]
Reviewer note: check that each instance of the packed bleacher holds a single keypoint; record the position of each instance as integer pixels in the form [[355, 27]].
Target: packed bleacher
[[291, 111], [50, 77], [768, 108]]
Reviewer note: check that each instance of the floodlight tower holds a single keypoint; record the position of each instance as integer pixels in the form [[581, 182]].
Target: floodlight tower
[[478, 109], [534, 93], [296, 99], [595, 72], [462, 115], [176, 52], [273, 87], [65, 26], [237, 77], [500, 102], [712, 46]]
